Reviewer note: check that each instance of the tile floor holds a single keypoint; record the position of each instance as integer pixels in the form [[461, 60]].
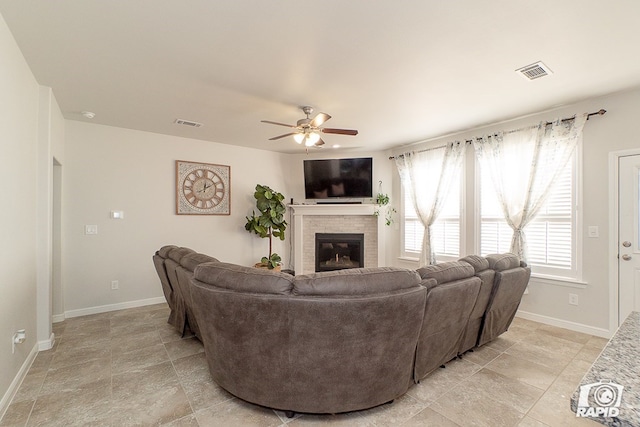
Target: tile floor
[[130, 368]]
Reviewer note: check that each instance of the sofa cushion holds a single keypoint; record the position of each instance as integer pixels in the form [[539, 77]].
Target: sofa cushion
[[429, 283], [479, 263], [191, 261], [356, 281], [447, 271], [164, 251], [177, 253], [244, 279], [500, 262]]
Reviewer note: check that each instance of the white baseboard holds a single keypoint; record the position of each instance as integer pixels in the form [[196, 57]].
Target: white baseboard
[[56, 318], [17, 381], [573, 326], [47, 344], [113, 307]]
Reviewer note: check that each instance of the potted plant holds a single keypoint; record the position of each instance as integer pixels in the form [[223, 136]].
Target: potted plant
[[382, 200], [269, 223]]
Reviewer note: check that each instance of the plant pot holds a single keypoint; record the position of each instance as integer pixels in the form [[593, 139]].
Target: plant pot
[[266, 267]]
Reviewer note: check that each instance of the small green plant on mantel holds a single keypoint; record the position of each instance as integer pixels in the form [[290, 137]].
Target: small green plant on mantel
[[382, 200], [270, 223]]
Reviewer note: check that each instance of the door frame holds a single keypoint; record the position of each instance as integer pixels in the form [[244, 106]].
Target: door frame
[[614, 273]]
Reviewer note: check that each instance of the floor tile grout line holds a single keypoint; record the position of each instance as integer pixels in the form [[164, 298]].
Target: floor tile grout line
[[529, 414], [175, 371], [111, 397], [33, 405]]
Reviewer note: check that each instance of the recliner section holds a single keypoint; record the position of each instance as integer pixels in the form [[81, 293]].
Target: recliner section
[[450, 301], [511, 279], [476, 319], [172, 263], [184, 274], [320, 343], [158, 261]]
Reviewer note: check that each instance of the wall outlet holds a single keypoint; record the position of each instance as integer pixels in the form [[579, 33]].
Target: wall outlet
[[90, 229], [18, 338], [115, 285], [573, 299]]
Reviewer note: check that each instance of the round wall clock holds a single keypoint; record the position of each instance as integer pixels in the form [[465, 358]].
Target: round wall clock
[[202, 189]]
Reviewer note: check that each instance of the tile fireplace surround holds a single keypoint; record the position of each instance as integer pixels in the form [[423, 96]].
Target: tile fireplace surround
[[338, 218]]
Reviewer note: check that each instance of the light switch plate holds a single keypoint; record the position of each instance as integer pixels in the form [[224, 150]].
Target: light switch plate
[[593, 231]]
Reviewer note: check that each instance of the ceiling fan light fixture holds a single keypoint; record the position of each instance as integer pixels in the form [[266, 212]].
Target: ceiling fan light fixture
[[313, 137], [299, 137]]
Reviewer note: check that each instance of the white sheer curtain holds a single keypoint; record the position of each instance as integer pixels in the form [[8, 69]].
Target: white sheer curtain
[[523, 166], [426, 175]]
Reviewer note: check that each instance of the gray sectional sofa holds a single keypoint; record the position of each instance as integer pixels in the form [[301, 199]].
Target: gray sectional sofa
[[336, 341]]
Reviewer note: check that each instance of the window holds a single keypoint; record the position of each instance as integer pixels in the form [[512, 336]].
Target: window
[[445, 231], [550, 236]]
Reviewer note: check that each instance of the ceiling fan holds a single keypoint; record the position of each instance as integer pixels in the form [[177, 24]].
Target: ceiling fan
[[308, 130]]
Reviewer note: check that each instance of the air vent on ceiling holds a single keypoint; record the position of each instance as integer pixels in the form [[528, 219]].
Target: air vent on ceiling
[[188, 123], [534, 71]]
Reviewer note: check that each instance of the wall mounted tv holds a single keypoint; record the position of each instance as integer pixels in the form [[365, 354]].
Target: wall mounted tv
[[332, 178]]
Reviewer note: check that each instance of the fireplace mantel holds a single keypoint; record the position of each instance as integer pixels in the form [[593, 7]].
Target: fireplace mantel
[[344, 214], [333, 209]]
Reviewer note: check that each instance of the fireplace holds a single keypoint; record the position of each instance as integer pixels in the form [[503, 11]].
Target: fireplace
[[337, 251], [308, 220]]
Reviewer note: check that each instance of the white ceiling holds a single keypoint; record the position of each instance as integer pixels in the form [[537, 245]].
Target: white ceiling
[[399, 71]]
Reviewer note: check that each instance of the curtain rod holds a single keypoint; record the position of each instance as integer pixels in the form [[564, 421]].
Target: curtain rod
[[600, 112]]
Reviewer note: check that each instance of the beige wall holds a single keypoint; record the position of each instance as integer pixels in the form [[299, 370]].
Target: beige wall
[[109, 168], [18, 180], [548, 301]]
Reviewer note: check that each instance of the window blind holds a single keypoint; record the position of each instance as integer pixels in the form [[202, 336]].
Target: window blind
[[549, 237]]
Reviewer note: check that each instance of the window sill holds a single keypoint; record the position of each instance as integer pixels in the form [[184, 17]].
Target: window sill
[[558, 281], [409, 259], [417, 260]]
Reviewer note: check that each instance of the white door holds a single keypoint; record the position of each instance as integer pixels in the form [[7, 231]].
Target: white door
[[628, 238]]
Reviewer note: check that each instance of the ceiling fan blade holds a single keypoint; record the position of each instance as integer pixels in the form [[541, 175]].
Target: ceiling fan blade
[[282, 136], [319, 119], [279, 124], [351, 132]]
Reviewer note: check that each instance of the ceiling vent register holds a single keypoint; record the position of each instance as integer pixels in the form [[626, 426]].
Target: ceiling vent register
[[188, 123], [534, 71]]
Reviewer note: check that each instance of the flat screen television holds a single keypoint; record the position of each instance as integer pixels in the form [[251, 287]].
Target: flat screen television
[[338, 178]]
